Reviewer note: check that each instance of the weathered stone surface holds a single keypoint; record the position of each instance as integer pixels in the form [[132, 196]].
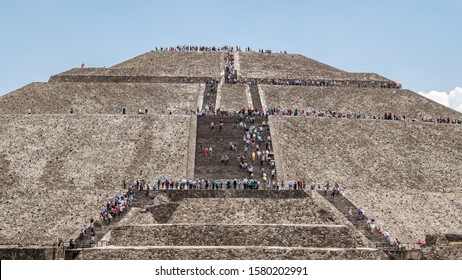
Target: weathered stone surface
[[229, 253], [100, 98], [234, 235], [371, 101], [30, 253], [143, 218], [189, 64], [56, 171], [371, 153], [64, 168], [163, 213], [442, 239], [233, 97], [121, 75], [384, 167], [408, 214], [442, 252], [293, 66], [175, 196], [251, 210], [284, 66]]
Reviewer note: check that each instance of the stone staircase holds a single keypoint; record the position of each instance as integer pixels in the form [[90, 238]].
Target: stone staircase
[[170, 238], [344, 205], [255, 97], [210, 167], [229, 79], [210, 95], [102, 230]]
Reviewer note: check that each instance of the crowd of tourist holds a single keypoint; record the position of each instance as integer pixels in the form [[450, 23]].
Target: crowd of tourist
[[113, 209], [321, 83], [337, 190], [229, 68], [332, 83], [330, 113], [193, 48], [360, 115], [169, 183]]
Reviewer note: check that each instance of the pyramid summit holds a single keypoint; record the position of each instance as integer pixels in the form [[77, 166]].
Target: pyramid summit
[[96, 159]]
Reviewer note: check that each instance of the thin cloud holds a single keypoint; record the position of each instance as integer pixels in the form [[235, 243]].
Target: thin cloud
[[453, 99]]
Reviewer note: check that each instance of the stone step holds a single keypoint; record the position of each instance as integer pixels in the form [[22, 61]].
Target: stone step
[[179, 195], [229, 253], [293, 235], [344, 205], [256, 101]]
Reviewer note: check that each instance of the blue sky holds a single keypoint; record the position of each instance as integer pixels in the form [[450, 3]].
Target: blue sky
[[417, 43]]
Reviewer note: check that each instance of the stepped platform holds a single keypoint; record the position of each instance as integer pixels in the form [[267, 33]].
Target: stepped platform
[[256, 101], [384, 166], [178, 196], [122, 75], [178, 64], [284, 66], [209, 98], [343, 205], [102, 98], [233, 97], [252, 211], [58, 170], [411, 215], [278, 235], [371, 153], [371, 101], [229, 253]]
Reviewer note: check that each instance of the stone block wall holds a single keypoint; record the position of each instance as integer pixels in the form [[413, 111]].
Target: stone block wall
[[233, 97], [442, 252], [173, 64], [234, 235], [404, 175], [122, 75], [284, 66], [371, 153], [443, 239], [101, 98], [371, 101], [251, 210], [31, 253], [410, 215], [58, 170], [229, 253], [273, 194]]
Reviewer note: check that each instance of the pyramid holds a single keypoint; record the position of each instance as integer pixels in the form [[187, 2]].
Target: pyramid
[[66, 149]]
